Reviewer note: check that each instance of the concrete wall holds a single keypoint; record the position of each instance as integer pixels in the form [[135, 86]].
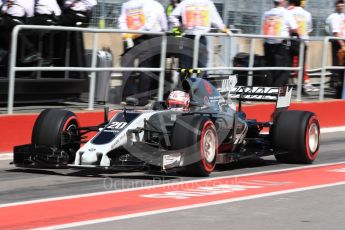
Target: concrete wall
[[329, 113]]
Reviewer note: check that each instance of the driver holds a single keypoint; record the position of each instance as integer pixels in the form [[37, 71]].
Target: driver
[[178, 100]]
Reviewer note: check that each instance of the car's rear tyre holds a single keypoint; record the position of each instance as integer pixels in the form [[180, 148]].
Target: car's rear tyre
[[57, 128], [298, 133], [196, 137]]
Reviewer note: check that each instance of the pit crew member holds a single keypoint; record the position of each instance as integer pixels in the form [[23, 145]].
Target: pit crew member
[[278, 22], [194, 17], [147, 15]]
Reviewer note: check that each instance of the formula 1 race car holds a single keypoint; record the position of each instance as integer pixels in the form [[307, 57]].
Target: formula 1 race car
[[195, 129]]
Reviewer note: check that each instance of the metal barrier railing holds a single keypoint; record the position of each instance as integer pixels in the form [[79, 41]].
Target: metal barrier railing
[[13, 62], [324, 66], [251, 67], [13, 68]]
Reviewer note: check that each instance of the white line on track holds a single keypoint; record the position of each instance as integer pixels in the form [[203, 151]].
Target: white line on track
[[333, 129], [6, 156], [167, 184], [98, 221], [322, 130]]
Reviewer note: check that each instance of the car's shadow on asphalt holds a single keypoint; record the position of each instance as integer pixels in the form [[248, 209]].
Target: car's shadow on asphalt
[[33, 171], [140, 175], [91, 173], [247, 163]]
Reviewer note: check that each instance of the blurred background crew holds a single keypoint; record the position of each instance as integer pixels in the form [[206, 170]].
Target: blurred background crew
[[1, 4], [20, 9], [336, 27], [2, 51], [77, 12], [305, 26], [1, 9], [172, 5], [278, 22], [303, 3], [17, 12], [147, 15], [194, 17], [46, 12]]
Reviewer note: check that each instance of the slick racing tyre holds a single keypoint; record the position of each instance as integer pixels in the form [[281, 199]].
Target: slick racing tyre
[[298, 133], [196, 138], [57, 128]]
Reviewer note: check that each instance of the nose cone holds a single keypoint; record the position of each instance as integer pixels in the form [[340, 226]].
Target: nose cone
[[89, 158]]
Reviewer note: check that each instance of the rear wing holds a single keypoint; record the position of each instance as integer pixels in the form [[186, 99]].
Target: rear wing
[[280, 95]]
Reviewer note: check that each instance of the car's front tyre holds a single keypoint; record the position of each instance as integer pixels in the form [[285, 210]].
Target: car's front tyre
[[59, 129], [196, 137]]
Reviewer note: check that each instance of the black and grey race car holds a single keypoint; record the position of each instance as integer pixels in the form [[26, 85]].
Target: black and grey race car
[[194, 139]]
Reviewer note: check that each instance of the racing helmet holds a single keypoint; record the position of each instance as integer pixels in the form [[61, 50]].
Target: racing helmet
[[178, 100]]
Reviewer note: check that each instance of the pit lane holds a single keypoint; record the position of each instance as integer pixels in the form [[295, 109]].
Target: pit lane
[[30, 184]]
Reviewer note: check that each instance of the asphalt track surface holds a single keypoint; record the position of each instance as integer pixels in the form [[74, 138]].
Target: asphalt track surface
[[322, 208]]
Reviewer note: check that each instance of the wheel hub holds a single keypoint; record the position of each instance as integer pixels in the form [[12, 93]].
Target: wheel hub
[[209, 145], [313, 133]]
